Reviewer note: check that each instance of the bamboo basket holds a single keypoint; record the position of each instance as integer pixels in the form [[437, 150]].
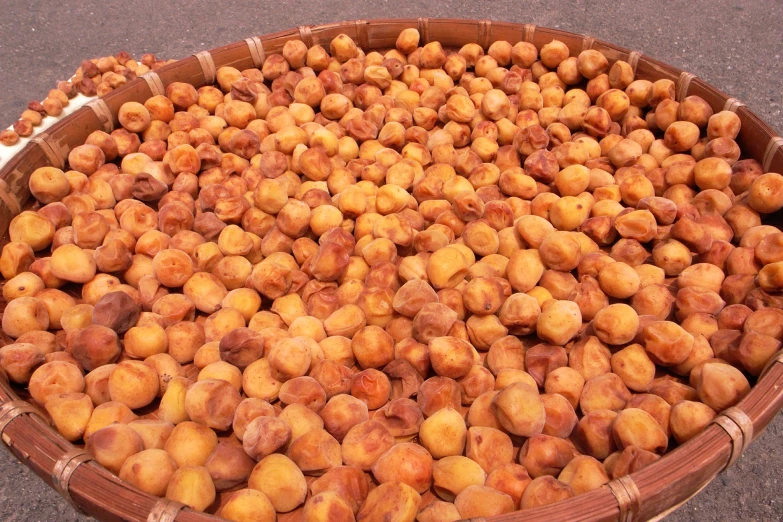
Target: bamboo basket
[[647, 494]]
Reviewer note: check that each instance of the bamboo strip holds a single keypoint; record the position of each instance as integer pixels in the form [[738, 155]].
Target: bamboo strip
[[739, 427], [628, 498], [484, 30], [306, 35], [772, 148], [732, 104], [165, 511], [633, 59], [64, 469], [155, 84], [424, 30], [9, 198], [207, 66], [51, 149], [683, 83], [103, 113]]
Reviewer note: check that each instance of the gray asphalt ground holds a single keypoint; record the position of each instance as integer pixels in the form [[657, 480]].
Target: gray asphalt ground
[[736, 46]]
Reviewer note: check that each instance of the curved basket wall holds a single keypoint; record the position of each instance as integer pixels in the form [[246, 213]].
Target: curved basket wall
[[647, 494]]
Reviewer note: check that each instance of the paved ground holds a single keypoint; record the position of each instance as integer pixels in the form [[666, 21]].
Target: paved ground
[[734, 45]]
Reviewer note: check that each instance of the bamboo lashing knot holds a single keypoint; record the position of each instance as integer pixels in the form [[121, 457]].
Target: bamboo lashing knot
[[772, 148], [777, 358], [424, 30], [738, 425], [732, 104], [155, 83], [306, 35], [9, 198], [103, 113], [484, 29], [207, 66], [362, 37], [165, 510], [629, 499], [11, 410], [51, 149], [587, 43], [633, 60], [64, 469], [528, 32], [256, 47], [683, 82]]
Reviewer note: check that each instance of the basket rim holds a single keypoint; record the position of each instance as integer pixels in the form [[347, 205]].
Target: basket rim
[[644, 494]]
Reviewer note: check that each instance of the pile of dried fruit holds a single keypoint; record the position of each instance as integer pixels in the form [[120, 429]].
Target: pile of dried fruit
[[96, 77], [505, 278]]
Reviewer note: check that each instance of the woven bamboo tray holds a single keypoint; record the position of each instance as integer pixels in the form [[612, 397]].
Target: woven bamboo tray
[[648, 494]]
